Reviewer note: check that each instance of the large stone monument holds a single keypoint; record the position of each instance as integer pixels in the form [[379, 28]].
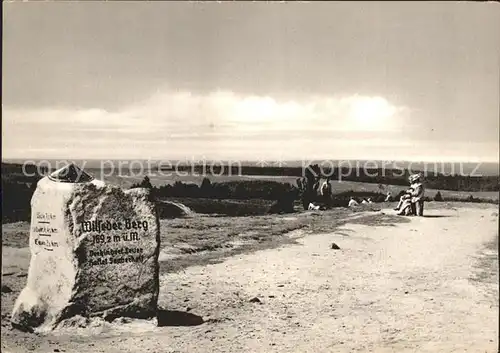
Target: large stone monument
[[94, 252]]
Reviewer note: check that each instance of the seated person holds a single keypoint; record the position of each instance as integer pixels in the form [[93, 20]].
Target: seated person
[[313, 207], [417, 196], [353, 202], [405, 197]]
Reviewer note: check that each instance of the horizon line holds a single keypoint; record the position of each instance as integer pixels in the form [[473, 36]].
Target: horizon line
[[283, 161]]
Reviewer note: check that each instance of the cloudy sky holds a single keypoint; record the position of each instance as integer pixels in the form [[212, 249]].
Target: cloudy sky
[[417, 81]]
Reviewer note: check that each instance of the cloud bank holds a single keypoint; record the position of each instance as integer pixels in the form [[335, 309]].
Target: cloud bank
[[221, 124]]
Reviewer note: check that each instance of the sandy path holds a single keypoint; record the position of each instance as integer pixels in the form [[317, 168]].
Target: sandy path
[[405, 288], [400, 288]]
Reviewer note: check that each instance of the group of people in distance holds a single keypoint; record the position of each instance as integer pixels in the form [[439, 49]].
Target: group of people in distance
[[410, 203]]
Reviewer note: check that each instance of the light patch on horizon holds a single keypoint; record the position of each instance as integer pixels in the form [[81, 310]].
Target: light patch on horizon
[[371, 112]]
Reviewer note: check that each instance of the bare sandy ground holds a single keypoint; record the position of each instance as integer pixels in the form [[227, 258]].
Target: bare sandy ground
[[428, 285]]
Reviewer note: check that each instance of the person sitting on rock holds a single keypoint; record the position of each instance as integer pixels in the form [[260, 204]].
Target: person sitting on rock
[[353, 202]]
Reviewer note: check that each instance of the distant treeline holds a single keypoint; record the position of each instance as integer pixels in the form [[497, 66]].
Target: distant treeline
[[18, 187], [251, 190], [433, 180], [238, 190], [16, 198], [16, 173]]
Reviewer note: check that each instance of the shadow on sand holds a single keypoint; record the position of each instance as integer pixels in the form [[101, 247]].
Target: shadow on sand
[[178, 318]]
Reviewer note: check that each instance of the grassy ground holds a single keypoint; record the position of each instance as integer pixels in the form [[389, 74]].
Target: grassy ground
[[203, 239], [228, 207]]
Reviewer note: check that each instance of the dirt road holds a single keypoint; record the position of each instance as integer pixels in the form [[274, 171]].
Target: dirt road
[[429, 285]]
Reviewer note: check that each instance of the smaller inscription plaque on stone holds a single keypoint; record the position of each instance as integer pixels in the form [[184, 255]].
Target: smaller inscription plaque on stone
[[94, 253], [46, 231]]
